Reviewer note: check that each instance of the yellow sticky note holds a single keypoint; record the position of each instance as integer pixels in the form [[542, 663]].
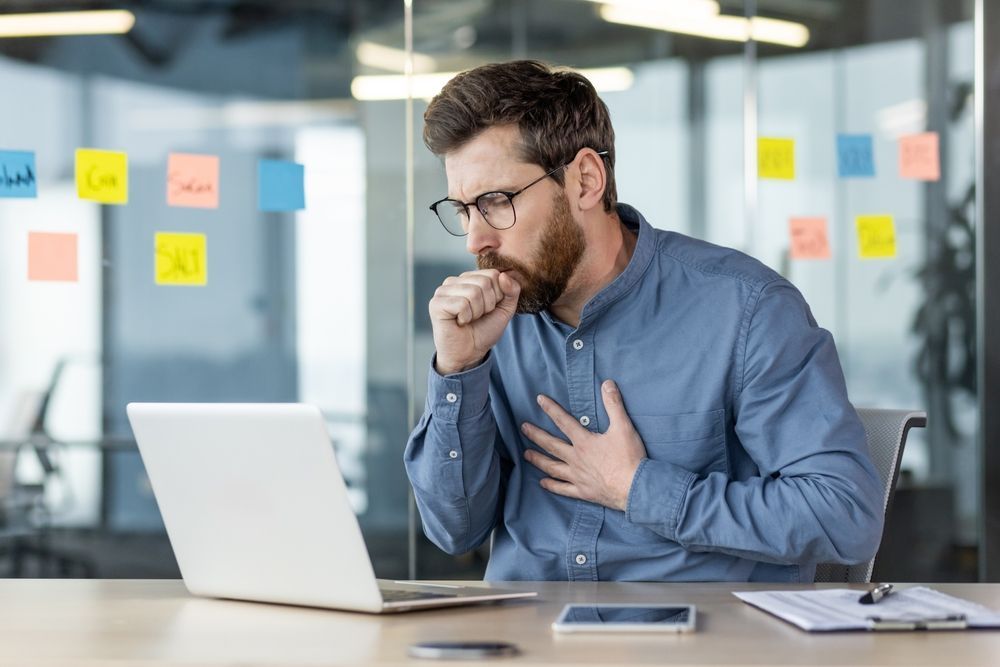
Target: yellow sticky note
[[181, 259], [102, 176], [876, 236], [776, 158]]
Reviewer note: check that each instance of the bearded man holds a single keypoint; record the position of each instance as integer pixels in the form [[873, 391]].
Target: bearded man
[[611, 401]]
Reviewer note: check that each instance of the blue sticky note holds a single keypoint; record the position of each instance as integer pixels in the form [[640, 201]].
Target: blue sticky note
[[17, 174], [854, 156], [280, 185]]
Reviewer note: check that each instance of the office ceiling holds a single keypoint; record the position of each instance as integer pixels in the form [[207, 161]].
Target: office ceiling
[[306, 48]]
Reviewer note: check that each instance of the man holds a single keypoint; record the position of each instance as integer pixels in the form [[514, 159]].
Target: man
[[611, 401]]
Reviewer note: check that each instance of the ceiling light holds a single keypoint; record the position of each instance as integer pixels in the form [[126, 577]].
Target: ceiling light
[[392, 59], [43, 24], [426, 86], [732, 28], [689, 8]]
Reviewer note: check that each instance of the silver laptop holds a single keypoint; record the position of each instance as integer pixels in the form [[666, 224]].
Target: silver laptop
[[256, 509]]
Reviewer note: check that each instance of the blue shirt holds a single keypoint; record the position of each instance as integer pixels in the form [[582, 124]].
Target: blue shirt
[[757, 468]]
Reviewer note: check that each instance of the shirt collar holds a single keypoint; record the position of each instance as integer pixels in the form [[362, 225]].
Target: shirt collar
[[645, 246]]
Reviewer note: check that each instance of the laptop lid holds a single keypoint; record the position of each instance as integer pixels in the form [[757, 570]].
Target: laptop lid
[[254, 503]]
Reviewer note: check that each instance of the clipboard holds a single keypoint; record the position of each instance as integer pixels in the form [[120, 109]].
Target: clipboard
[[838, 609]]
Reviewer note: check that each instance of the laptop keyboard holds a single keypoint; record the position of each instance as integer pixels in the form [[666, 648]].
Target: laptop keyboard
[[401, 595]]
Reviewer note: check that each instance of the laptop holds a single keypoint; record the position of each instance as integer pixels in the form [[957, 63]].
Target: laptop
[[256, 509]]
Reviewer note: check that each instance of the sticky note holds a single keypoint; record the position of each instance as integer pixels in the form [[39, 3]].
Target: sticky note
[[918, 157], [181, 259], [193, 180], [855, 156], [280, 185], [809, 238], [102, 176], [776, 158], [17, 174], [52, 256], [876, 236]]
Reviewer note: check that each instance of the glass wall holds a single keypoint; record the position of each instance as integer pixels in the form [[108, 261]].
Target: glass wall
[[325, 302]]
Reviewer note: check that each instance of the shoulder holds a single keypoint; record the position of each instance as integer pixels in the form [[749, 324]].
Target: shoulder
[[711, 262]]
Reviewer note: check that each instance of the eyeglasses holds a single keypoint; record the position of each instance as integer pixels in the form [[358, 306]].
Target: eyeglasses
[[497, 207]]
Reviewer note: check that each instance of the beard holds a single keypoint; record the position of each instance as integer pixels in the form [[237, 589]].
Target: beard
[[559, 253]]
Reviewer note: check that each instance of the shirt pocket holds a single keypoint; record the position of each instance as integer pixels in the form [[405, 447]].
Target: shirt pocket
[[694, 441]]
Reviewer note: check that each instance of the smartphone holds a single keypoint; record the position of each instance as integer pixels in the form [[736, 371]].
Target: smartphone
[[626, 618], [461, 650]]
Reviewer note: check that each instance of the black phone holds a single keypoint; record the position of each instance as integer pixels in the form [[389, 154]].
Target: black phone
[[461, 650]]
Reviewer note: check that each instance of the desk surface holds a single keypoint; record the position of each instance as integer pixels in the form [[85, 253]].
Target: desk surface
[[99, 622]]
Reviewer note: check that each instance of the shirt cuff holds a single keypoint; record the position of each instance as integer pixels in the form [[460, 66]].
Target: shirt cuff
[[657, 495], [460, 395]]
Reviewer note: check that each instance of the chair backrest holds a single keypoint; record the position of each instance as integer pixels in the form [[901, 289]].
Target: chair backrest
[[886, 432]]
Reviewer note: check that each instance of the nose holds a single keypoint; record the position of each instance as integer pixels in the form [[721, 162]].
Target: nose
[[482, 237]]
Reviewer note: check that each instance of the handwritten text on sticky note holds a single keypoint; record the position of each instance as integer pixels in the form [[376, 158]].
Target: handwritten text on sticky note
[[17, 174], [876, 236], [102, 176], [52, 256], [280, 185], [919, 158], [776, 158], [854, 156], [181, 259], [809, 238], [193, 180]]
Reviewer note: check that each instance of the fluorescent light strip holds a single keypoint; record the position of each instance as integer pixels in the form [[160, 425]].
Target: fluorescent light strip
[[43, 24], [425, 86], [731, 28], [676, 8], [392, 59]]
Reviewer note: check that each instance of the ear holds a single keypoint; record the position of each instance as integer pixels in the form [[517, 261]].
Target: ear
[[592, 178]]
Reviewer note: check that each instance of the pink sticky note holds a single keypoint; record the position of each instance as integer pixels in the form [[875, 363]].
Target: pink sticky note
[[52, 256], [809, 239], [193, 180], [918, 157]]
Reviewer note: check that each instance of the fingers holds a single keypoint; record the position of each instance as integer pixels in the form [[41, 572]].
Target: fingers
[[467, 297], [550, 466], [615, 405], [563, 420], [547, 441]]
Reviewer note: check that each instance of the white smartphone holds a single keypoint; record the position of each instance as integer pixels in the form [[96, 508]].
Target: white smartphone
[[626, 618]]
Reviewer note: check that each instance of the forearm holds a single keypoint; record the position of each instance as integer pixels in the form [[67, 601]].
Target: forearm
[[834, 516], [452, 461]]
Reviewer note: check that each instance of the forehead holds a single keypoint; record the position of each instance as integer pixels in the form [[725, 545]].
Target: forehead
[[490, 161]]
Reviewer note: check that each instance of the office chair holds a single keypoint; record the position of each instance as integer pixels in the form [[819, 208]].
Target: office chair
[[886, 432]]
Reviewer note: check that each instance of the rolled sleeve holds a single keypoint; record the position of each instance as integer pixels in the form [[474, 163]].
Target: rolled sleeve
[[657, 495]]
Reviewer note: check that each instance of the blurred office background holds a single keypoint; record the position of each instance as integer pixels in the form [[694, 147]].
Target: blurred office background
[[328, 305]]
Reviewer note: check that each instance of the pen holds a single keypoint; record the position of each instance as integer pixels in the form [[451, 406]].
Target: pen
[[876, 594]]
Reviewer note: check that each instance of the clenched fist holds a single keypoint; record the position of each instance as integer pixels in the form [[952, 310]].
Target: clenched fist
[[468, 315]]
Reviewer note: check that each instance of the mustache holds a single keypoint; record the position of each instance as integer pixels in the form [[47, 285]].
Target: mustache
[[492, 260]]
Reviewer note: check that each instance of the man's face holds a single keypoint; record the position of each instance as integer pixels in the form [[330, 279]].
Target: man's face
[[555, 258], [544, 247]]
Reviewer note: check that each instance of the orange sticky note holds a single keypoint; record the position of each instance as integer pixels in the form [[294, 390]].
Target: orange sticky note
[[809, 238], [52, 257], [919, 158], [181, 259], [876, 236], [776, 158], [193, 180], [102, 176]]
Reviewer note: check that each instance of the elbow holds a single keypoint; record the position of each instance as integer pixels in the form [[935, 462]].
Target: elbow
[[860, 534]]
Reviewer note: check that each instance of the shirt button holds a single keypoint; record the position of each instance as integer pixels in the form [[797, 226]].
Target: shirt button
[[578, 344], [453, 454], [581, 559], [450, 397], [585, 420]]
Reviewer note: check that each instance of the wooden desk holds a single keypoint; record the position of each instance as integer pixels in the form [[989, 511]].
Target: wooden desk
[[104, 622]]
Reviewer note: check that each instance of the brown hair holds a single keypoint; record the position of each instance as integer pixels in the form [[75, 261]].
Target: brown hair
[[558, 112]]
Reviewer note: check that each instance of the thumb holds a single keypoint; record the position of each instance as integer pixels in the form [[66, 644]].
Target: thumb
[[511, 291], [614, 404]]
